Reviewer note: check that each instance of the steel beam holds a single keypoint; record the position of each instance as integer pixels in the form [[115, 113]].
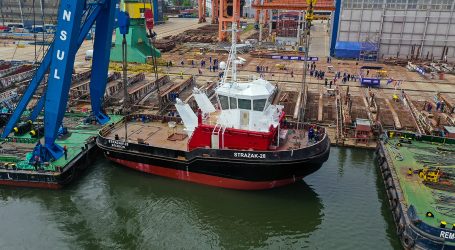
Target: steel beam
[[83, 33], [60, 74], [101, 54], [28, 94]]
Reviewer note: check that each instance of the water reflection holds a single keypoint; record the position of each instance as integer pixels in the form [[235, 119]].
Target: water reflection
[[224, 217]]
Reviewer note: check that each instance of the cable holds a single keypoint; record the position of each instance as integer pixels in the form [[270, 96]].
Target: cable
[[34, 28], [44, 24]]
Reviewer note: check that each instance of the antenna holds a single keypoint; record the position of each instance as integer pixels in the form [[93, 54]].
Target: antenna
[[231, 63]]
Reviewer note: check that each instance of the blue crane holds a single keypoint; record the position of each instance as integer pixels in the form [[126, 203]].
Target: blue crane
[[75, 19]]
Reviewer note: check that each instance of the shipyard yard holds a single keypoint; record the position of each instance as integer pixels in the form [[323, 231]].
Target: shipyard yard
[[370, 113]]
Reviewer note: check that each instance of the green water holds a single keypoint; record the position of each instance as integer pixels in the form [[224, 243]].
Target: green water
[[342, 206]]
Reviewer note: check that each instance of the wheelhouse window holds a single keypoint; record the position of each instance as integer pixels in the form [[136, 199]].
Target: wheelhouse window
[[244, 104], [258, 105], [233, 102], [224, 101]]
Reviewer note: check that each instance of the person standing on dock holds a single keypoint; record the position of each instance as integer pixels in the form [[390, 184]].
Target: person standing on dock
[[326, 82], [65, 151], [36, 162]]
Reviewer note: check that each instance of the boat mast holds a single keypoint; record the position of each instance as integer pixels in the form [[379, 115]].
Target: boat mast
[[231, 62], [303, 93], [234, 52]]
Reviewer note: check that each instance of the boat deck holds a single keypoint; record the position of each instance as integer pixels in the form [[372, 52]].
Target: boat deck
[[159, 134], [155, 133], [435, 197]]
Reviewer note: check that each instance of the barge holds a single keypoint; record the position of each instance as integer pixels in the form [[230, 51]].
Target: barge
[[419, 176], [18, 169]]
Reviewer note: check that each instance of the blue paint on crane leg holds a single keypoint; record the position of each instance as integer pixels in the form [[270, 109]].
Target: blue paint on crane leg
[[84, 31], [60, 74], [101, 55]]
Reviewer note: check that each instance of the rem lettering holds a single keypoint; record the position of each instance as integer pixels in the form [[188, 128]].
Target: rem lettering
[[63, 36], [447, 235], [118, 144], [249, 155]]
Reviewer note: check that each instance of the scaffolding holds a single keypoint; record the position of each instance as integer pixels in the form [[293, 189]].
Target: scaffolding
[[369, 49]]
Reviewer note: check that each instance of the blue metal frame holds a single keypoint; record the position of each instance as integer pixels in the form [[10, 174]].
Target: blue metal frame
[[84, 31], [28, 94], [59, 61], [335, 27], [60, 74], [101, 54], [155, 11]]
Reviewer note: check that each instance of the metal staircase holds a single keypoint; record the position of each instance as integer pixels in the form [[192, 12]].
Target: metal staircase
[[369, 50]]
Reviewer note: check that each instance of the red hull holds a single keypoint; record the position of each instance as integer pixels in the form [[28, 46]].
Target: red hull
[[205, 179], [31, 184]]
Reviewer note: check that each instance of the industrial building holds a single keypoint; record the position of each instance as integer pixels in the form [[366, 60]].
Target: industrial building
[[395, 28], [30, 12], [21, 11]]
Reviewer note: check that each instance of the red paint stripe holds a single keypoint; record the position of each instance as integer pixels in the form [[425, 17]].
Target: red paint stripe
[[205, 179], [30, 184]]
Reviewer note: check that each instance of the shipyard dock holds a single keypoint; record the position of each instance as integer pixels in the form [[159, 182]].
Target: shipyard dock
[[353, 113]]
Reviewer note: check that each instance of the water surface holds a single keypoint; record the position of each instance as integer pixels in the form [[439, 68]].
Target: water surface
[[342, 206]]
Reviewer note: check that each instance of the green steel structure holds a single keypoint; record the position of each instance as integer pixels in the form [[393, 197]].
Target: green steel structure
[[139, 46]]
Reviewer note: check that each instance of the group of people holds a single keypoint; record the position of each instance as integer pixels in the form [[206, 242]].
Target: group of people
[[440, 106], [261, 69], [213, 64], [319, 74], [312, 66], [314, 134], [348, 78]]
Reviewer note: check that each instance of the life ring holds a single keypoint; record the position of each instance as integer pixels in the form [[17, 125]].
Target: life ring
[[408, 242]]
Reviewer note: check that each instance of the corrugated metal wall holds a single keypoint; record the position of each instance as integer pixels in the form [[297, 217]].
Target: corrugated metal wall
[[397, 25], [17, 11]]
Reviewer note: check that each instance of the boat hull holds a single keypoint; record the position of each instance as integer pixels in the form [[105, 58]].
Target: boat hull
[[215, 168]]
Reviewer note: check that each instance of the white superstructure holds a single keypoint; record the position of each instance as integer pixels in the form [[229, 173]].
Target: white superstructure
[[242, 105]]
